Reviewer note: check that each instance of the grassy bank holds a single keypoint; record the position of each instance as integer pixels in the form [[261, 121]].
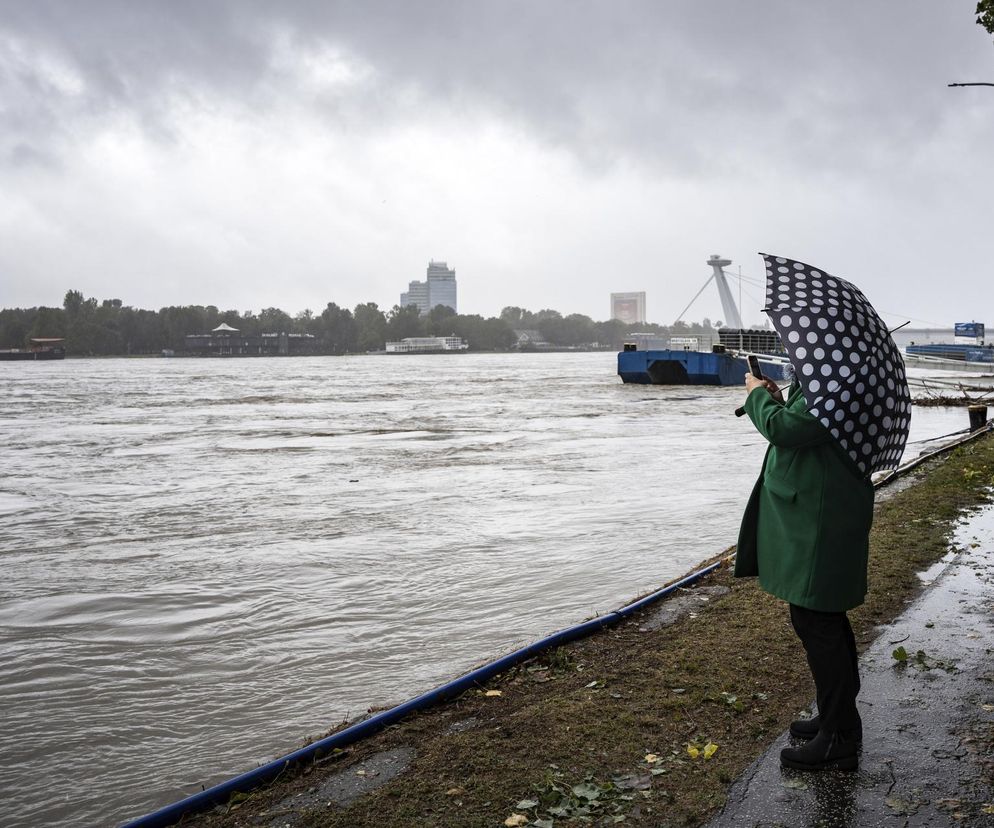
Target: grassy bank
[[632, 726]]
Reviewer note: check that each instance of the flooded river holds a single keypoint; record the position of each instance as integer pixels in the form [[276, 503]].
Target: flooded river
[[206, 561]]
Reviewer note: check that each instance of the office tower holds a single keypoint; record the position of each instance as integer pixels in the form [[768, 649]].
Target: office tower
[[628, 307], [439, 288]]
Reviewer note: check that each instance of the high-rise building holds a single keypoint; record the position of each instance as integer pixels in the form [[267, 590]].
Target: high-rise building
[[439, 288], [628, 307]]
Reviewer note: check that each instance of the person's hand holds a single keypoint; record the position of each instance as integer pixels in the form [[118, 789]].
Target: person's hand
[[771, 386], [752, 383]]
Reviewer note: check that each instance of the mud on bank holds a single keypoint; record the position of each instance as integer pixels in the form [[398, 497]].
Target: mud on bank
[[644, 724]]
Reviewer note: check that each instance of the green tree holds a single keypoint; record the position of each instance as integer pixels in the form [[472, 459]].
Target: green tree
[[985, 15], [336, 330], [403, 322], [371, 327], [438, 322], [274, 320]]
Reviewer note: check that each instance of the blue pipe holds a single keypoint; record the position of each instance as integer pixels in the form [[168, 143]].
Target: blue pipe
[[219, 794]]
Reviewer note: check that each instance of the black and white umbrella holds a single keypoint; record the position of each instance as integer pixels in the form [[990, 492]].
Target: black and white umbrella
[[847, 363]]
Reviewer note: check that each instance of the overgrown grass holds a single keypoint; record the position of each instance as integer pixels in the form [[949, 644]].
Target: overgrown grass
[[630, 727]]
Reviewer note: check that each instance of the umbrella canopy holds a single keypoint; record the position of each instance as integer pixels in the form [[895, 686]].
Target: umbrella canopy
[[847, 363]]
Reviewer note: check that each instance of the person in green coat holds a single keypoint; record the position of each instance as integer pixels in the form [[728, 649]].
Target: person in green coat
[[805, 534]]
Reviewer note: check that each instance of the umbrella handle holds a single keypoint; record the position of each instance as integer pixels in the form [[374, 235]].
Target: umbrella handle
[[740, 411]]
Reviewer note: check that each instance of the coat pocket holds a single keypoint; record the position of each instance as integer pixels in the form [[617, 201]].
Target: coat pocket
[[780, 489]]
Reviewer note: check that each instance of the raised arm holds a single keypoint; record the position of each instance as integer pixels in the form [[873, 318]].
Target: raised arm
[[782, 426]]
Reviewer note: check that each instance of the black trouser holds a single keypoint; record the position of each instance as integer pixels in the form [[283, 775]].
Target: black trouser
[[831, 649]]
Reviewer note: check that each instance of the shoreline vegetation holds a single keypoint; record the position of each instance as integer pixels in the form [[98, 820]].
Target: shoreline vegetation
[[111, 328], [646, 723]]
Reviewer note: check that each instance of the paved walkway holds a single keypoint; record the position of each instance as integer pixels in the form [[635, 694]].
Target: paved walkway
[[928, 755]]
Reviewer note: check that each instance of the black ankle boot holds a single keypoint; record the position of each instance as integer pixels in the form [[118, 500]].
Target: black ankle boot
[[805, 728], [808, 728], [826, 751]]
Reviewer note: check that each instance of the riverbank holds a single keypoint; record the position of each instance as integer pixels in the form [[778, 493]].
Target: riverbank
[[649, 721]]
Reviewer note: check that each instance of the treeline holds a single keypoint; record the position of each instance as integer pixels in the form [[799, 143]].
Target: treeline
[[109, 327]]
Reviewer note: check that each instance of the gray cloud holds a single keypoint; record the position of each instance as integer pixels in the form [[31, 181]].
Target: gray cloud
[[840, 85], [847, 101]]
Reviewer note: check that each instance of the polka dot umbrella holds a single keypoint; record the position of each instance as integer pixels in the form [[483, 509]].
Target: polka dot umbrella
[[847, 363]]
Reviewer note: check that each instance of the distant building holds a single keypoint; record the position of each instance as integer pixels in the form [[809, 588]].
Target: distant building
[[628, 307], [427, 345], [530, 340], [227, 341], [439, 288]]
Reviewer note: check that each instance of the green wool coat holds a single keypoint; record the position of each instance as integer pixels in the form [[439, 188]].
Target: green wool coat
[[806, 528]]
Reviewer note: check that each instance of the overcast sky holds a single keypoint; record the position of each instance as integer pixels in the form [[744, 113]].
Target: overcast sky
[[250, 154]]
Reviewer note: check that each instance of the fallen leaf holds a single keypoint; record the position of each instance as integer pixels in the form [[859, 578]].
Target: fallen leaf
[[796, 784], [515, 820], [455, 791], [987, 707], [709, 750], [634, 782], [526, 804], [586, 791], [900, 654], [493, 693], [693, 751], [651, 757], [988, 808], [543, 823]]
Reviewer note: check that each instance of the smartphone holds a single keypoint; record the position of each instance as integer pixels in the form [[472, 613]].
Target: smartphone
[[754, 366]]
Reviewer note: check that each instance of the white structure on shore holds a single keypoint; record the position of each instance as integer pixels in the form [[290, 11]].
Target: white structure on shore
[[439, 288], [427, 345]]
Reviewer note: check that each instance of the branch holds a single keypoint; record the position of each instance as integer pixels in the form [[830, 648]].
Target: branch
[[970, 84]]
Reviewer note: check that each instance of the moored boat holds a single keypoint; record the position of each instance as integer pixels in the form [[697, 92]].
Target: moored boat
[[42, 348]]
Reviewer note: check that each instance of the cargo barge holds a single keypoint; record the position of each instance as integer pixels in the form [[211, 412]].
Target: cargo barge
[[967, 351], [650, 359], [42, 348]]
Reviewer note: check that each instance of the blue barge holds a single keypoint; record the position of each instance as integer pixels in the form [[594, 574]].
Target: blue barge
[[671, 367]]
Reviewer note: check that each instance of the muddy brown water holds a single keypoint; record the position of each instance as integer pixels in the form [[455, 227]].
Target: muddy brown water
[[206, 561]]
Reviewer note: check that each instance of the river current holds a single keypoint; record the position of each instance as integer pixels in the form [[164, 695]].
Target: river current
[[207, 561]]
